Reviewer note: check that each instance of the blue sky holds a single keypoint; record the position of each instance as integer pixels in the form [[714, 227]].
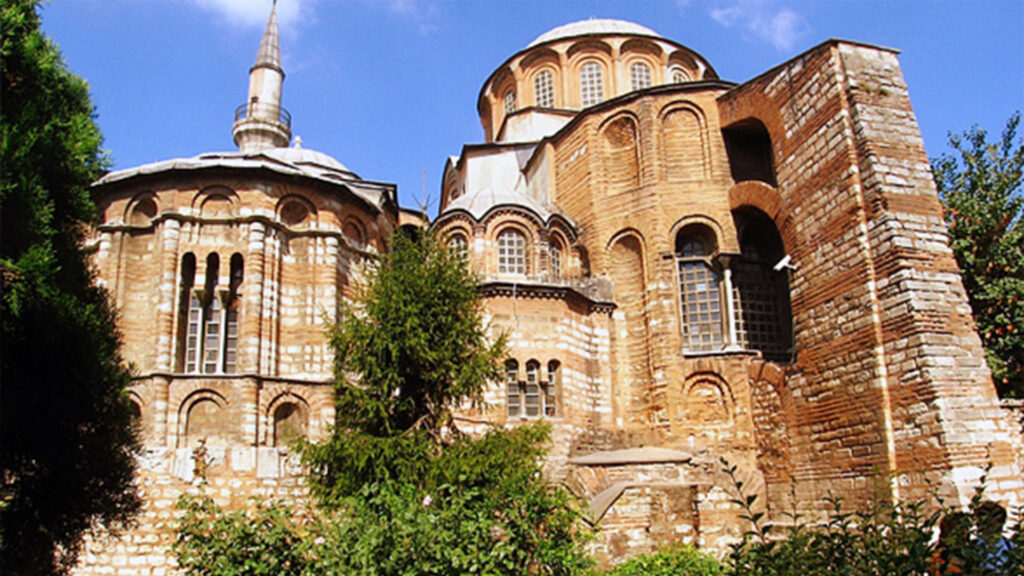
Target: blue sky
[[389, 87]]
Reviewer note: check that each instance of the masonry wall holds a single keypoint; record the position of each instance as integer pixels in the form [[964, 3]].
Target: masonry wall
[[889, 389], [303, 248]]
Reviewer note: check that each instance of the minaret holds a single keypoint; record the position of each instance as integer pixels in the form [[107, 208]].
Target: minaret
[[261, 122]]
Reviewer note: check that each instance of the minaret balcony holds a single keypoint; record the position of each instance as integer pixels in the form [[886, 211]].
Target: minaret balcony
[[264, 112]]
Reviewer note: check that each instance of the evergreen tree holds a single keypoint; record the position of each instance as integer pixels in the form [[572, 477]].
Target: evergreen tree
[[980, 187], [410, 347], [68, 437]]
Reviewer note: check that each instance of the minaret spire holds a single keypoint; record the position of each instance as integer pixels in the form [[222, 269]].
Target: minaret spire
[[261, 122]]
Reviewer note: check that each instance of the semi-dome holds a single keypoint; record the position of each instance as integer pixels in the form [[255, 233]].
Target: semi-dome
[[593, 26], [479, 202]]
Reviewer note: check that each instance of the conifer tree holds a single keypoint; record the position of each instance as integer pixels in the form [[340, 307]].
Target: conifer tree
[[980, 187], [68, 436]]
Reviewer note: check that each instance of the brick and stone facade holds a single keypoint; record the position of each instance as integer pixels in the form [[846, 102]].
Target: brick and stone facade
[[689, 270], [838, 356]]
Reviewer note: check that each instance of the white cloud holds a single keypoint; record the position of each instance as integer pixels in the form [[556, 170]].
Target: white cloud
[[726, 16], [423, 13], [782, 29], [766, 21], [254, 13]]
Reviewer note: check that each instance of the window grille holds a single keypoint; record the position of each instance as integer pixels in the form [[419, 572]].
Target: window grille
[[591, 84], [511, 252], [555, 261], [510, 102], [551, 388], [544, 89], [512, 387], [192, 335], [701, 295], [640, 76], [679, 75]]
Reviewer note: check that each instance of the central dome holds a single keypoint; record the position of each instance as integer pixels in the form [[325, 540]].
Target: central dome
[[593, 26]]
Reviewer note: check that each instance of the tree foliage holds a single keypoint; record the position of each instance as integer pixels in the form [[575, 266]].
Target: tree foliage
[[399, 489], [68, 437], [409, 348], [980, 187], [882, 539], [680, 560]]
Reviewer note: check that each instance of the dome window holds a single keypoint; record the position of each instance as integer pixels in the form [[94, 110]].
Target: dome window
[[544, 89], [510, 102], [591, 84], [639, 76], [679, 75]]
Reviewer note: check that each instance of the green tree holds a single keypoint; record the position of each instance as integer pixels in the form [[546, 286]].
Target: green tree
[[68, 436], [980, 186], [400, 490], [411, 347]]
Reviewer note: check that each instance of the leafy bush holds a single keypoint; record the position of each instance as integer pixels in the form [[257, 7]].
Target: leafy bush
[[266, 539], [882, 540], [683, 560]]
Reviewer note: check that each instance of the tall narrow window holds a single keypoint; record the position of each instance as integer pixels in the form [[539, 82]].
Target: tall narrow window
[[512, 387], [511, 252], [510, 102], [763, 317], [591, 84], [189, 316], [532, 390], [211, 342], [551, 389], [699, 288], [231, 315], [555, 260], [211, 317], [544, 89], [639, 76], [192, 335]]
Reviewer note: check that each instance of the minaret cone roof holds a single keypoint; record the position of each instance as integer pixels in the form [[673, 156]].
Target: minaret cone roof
[[270, 46]]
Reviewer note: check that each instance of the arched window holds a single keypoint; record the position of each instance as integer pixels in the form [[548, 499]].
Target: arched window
[[639, 76], [210, 326], [514, 406], [679, 75], [555, 260], [552, 387], [511, 252], [510, 102], [700, 290], [591, 84], [211, 316], [535, 397], [544, 89], [760, 292], [458, 246], [531, 392], [231, 315]]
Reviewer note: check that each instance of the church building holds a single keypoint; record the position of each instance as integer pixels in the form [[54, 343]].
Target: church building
[[689, 270]]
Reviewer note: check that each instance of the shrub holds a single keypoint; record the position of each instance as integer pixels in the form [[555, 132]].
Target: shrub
[[682, 560]]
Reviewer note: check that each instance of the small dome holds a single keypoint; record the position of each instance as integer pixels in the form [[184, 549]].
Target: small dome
[[305, 157], [479, 202], [593, 26]]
